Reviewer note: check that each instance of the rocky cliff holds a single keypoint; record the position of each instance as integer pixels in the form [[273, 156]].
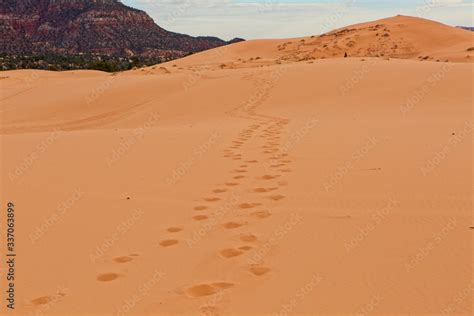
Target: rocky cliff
[[105, 27]]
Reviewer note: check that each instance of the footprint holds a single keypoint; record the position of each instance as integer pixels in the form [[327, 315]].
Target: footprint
[[174, 229], [245, 248], [48, 298], [231, 184], [248, 238], [200, 217], [212, 199], [264, 190], [238, 177], [251, 161], [207, 289], [201, 290], [276, 197], [42, 300], [123, 259], [168, 242], [240, 171], [278, 166], [107, 277], [269, 177], [222, 285], [262, 214], [259, 270], [219, 190], [232, 225], [249, 205], [209, 310], [200, 208], [230, 253]]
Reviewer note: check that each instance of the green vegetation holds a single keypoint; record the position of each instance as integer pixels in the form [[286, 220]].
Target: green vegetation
[[72, 62]]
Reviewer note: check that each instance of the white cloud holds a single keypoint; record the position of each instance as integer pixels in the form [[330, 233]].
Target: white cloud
[[268, 19]]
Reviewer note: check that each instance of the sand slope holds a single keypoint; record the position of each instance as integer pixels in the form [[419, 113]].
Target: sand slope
[[401, 37], [335, 187]]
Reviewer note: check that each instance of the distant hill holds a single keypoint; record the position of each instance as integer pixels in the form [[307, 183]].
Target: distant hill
[[65, 28], [469, 28]]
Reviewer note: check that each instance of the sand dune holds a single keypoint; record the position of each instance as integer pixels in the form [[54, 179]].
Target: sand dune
[[341, 186], [400, 37]]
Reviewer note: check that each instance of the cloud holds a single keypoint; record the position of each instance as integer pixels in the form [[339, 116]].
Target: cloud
[[290, 18]]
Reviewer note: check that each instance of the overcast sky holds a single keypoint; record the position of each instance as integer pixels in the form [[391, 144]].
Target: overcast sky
[[290, 18]]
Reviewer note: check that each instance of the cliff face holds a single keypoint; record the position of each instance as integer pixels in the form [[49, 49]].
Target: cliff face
[[89, 26]]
